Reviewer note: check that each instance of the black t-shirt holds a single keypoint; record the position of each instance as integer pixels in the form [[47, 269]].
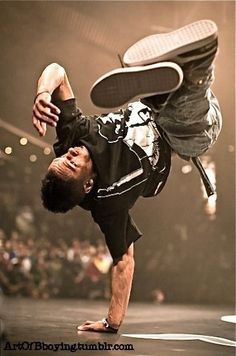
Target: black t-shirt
[[130, 158]]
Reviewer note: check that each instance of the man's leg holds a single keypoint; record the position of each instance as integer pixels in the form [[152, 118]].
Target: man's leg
[[189, 114], [190, 117]]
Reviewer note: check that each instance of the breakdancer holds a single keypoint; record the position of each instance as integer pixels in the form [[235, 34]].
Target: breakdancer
[[106, 162]]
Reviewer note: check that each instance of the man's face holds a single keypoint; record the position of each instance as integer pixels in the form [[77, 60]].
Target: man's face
[[75, 164]]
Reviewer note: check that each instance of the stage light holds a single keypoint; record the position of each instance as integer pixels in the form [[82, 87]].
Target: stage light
[[229, 318], [210, 202], [23, 141], [8, 150], [186, 169], [33, 158], [231, 148], [47, 150]]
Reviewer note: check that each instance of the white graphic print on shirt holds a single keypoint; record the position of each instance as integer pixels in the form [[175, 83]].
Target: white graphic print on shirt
[[140, 131], [143, 132]]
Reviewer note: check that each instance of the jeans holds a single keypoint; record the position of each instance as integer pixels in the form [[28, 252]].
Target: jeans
[[190, 118]]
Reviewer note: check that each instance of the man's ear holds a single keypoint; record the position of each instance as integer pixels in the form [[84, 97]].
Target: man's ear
[[88, 185]]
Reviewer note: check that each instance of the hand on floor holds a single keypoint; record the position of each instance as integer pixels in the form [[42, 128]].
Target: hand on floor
[[97, 326]]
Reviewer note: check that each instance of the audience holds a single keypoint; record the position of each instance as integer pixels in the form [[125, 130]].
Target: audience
[[40, 268]]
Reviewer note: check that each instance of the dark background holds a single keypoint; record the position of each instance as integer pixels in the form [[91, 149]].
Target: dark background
[[185, 252]]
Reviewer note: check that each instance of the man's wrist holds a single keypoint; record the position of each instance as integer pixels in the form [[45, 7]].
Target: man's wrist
[[41, 92], [109, 327]]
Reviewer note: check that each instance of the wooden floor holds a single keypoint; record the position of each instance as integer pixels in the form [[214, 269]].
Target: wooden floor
[[51, 325]]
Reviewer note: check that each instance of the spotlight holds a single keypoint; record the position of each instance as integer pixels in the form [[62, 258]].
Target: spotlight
[[231, 148], [186, 169], [8, 150], [47, 150], [23, 141], [33, 158]]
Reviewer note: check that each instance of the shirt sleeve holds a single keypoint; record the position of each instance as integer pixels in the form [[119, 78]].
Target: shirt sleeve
[[119, 230], [72, 125]]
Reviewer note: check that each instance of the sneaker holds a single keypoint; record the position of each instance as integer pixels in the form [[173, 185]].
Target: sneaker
[[120, 86], [188, 43]]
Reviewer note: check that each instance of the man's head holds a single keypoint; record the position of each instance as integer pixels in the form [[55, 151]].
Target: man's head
[[69, 178]]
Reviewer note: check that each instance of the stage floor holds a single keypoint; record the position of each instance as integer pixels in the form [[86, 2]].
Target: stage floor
[[49, 328]]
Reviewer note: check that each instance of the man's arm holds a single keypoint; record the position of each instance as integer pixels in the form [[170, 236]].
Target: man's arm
[[121, 283], [53, 80]]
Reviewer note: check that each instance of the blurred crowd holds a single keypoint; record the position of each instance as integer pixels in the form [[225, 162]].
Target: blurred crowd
[[42, 269], [48, 263]]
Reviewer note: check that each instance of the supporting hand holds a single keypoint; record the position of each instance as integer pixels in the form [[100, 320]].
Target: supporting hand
[[97, 326]]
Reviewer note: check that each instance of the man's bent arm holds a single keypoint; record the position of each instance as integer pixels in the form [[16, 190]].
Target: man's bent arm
[[122, 277], [53, 80]]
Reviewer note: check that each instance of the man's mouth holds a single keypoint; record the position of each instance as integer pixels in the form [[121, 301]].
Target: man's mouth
[[69, 165]]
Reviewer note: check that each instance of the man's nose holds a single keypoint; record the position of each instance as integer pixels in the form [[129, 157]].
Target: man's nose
[[72, 151], [70, 154]]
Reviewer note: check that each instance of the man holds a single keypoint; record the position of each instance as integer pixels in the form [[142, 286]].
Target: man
[[104, 163]]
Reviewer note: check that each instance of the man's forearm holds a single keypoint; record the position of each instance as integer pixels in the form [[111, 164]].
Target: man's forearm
[[122, 277], [53, 80], [121, 282]]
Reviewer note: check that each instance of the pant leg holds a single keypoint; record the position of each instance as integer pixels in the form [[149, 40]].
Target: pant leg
[[191, 118]]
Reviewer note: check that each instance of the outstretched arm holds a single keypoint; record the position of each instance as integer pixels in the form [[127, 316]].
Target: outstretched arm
[[122, 277], [53, 80]]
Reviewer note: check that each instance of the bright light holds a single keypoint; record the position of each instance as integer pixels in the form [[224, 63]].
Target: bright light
[[210, 202], [33, 158], [187, 337], [229, 318], [8, 150], [231, 148], [23, 141], [186, 169], [47, 150]]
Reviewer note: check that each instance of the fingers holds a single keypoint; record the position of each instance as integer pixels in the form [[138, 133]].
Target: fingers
[[85, 324], [51, 106], [41, 102], [41, 127], [88, 322], [48, 106], [91, 326], [44, 114], [46, 111], [85, 328]]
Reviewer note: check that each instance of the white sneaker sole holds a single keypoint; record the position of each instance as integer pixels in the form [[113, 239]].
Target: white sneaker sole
[[167, 46], [120, 86]]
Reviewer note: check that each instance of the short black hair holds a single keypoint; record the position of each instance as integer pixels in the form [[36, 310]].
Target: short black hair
[[59, 195]]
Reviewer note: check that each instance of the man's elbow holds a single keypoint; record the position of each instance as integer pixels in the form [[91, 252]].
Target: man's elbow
[[127, 261], [56, 66]]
